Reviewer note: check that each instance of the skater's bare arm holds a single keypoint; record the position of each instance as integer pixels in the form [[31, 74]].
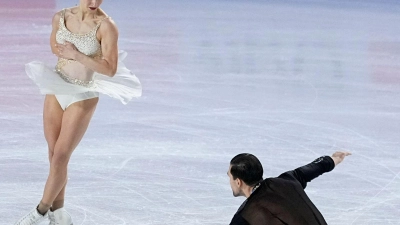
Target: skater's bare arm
[[55, 23]]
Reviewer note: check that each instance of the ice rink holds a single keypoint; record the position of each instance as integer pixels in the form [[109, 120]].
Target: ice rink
[[287, 81]]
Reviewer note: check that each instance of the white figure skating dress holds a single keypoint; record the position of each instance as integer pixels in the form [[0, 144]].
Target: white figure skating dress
[[71, 81]]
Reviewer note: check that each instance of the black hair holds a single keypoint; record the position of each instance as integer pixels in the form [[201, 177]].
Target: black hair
[[248, 168]]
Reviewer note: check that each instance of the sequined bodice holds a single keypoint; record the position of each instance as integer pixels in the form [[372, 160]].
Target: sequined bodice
[[85, 43], [70, 70]]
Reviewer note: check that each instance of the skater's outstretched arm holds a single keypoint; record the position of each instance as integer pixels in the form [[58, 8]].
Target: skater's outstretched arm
[[312, 170]]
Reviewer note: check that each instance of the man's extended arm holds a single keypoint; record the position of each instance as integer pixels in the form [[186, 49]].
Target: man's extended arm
[[312, 170]]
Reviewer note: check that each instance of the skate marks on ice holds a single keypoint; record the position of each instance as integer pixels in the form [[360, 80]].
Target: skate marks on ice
[[219, 78]]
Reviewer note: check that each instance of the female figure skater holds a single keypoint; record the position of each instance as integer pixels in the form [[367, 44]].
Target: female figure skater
[[85, 40]]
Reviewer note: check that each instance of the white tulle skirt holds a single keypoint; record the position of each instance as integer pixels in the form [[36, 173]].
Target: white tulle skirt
[[123, 85]]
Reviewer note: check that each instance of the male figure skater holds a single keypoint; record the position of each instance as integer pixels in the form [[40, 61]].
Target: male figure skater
[[280, 200]]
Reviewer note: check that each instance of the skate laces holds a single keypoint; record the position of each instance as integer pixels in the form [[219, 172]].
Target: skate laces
[[52, 218], [31, 218]]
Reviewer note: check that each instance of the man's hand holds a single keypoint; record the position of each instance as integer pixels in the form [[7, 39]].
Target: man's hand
[[339, 156]]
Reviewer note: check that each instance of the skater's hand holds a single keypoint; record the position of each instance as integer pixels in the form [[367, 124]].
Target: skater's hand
[[67, 50], [339, 156]]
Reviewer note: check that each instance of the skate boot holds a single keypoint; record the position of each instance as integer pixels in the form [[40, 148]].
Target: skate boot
[[51, 218], [60, 217], [32, 218]]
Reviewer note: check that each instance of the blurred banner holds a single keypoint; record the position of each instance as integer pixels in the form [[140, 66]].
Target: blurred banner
[[23, 4]]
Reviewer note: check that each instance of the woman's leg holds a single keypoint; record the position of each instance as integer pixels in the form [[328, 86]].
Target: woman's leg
[[75, 120], [52, 118]]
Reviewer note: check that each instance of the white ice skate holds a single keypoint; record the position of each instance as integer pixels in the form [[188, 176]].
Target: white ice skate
[[32, 218], [60, 217], [51, 218]]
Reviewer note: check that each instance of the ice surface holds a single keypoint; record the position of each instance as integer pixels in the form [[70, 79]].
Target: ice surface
[[288, 81]]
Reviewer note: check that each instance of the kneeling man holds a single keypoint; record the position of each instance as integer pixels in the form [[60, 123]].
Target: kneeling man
[[280, 200]]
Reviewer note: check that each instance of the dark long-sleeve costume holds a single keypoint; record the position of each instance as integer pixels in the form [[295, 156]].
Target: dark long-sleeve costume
[[282, 200]]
